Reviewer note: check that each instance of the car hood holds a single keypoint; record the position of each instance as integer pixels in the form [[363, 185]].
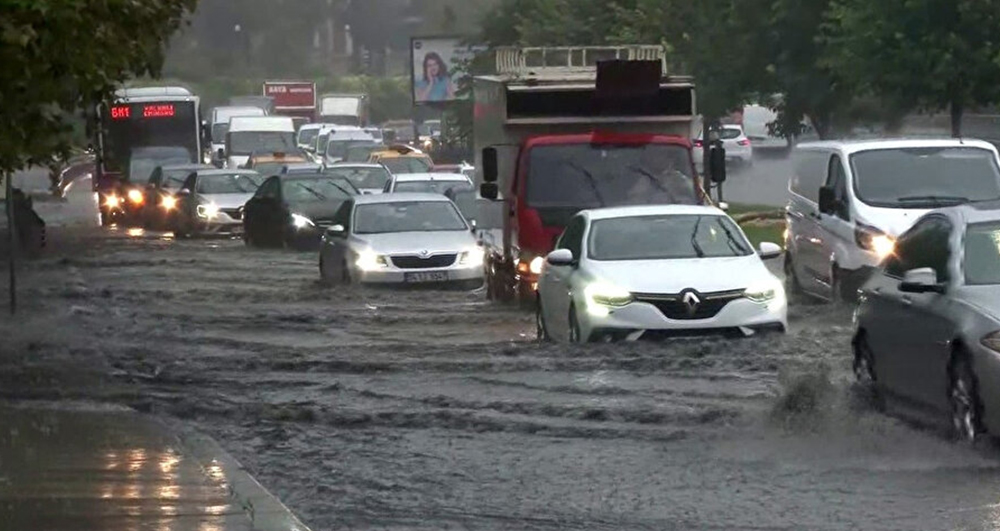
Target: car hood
[[416, 242], [985, 299], [227, 200], [705, 275], [235, 161], [894, 221]]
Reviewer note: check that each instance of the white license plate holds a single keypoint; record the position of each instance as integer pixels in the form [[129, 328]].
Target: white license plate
[[437, 276]]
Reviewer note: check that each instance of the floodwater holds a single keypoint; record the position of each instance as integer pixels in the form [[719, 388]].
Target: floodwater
[[438, 410]]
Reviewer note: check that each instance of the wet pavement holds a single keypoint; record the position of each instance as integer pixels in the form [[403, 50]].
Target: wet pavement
[[438, 410]]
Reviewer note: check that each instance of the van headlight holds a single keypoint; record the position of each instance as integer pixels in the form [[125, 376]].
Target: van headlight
[[765, 292], [369, 260], [300, 222], [875, 240], [472, 257], [600, 296], [208, 211]]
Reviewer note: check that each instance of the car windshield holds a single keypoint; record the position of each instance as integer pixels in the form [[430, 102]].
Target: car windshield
[[269, 168], [246, 142], [488, 214], [925, 177], [982, 254], [235, 183], [145, 160], [365, 177], [318, 189], [578, 176], [666, 237], [308, 136], [337, 149], [173, 179], [432, 187], [406, 164], [729, 133], [409, 216]]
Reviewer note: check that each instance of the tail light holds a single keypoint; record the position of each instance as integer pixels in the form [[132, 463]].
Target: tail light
[[697, 143], [744, 142]]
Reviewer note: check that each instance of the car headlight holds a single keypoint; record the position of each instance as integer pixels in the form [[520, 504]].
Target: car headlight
[[135, 196], [169, 202], [601, 295], [874, 240], [112, 201], [529, 265], [472, 257], [300, 222], [208, 211], [992, 341], [371, 261], [768, 291]]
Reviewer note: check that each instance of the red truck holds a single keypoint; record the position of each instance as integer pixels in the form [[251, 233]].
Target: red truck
[[559, 130], [293, 98]]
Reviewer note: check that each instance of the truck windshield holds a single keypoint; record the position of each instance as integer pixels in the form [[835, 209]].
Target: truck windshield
[[246, 142], [925, 177], [596, 175]]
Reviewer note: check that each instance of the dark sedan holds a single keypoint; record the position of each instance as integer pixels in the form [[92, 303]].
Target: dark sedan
[[159, 204], [294, 210]]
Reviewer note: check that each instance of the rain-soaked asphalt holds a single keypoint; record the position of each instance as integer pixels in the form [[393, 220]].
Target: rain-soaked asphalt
[[437, 410]]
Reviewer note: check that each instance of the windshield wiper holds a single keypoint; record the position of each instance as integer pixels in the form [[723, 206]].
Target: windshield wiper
[[313, 192], [656, 182], [934, 199], [694, 239], [590, 178], [732, 242]]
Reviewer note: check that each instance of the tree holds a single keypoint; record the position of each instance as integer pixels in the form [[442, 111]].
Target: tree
[[61, 56], [920, 54]]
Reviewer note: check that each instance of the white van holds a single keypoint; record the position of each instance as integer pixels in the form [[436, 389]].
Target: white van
[[220, 125], [850, 200], [258, 133], [339, 139]]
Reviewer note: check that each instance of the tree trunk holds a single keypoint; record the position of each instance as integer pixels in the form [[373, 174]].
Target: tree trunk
[[957, 111]]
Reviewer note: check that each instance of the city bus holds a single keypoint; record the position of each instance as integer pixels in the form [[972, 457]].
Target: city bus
[[141, 129]]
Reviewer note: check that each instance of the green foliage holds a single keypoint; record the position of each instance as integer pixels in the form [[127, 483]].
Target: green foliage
[[60, 56], [926, 54]]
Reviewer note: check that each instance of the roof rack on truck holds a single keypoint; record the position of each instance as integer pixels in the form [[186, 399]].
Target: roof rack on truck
[[567, 59]]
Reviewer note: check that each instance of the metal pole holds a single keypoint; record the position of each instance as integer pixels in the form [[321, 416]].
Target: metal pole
[[12, 240]]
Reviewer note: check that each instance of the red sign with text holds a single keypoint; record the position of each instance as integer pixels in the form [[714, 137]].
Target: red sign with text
[[163, 110], [296, 95], [121, 112]]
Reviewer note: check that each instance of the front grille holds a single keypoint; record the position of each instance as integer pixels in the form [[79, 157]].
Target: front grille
[[419, 262], [235, 213], [673, 306]]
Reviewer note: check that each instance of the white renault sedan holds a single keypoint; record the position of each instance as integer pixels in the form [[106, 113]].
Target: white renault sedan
[[651, 271]]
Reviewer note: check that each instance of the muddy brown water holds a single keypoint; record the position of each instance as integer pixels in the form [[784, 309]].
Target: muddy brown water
[[437, 410]]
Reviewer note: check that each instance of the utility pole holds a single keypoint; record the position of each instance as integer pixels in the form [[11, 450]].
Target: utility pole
[[6, 193]]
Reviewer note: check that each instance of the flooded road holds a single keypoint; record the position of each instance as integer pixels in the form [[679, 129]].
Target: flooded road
[[438, 410]]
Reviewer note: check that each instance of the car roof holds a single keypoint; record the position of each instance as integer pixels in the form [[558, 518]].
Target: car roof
[[413, 177], [354, 165], [399, 198], [217, 171], [653, 210], [191, 166], [302, 164], [854, 146]]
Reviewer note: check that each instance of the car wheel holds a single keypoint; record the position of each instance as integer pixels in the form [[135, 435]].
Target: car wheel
[[541, 331], [575, 335], [792, 284], [864, 362], [345, 274], [966, 410], [324, 277]]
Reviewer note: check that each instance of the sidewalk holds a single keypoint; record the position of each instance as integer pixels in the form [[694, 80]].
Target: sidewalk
[[81, 467]]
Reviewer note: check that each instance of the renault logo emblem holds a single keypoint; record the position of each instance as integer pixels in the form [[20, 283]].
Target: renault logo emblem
[[691, 300]]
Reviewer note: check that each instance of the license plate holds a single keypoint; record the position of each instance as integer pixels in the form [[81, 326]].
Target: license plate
[[438, 276]]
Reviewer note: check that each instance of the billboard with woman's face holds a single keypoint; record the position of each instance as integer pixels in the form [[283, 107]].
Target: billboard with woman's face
[[435, 61]]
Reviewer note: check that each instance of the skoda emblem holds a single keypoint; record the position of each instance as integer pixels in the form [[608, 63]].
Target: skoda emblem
[[425, 253], [691, 300]]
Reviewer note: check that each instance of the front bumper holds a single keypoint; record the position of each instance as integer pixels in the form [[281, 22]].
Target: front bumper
[[637, 318]]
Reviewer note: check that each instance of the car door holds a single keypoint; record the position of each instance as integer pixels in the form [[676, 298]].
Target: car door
[[892, 335], [256, 209], [835, 228], [557, 294], [335, 249], [187, 202], [804, 243]]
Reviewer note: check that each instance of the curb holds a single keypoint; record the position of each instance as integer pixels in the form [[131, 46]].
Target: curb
[[265, 511]]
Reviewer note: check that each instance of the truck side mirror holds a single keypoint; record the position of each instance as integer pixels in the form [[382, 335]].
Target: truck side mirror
[[490, 171], [717, 164], [489, 191]]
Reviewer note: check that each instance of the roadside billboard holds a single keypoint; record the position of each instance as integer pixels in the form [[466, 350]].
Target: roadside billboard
[[291, 95], [433, 69]]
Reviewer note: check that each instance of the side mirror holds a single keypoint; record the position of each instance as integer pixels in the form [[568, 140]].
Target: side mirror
[[768, 250], [490, 171], [472, 223], [336, 230], [827, 200], [489, 191], [561, 257], [923, 280], [221, 153], [723, 206], [183, 191], [717, 164]]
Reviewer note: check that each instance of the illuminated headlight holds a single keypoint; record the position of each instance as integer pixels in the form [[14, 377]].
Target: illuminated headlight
[[113, 201], [601, 296], [765, 292], [472, 258], [208, 211], [536, 265], [135, 196], [169, 202], [874, 240], [300, 222], [371, 261]]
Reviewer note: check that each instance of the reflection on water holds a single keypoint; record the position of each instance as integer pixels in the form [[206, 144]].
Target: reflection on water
[[136, 232]]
